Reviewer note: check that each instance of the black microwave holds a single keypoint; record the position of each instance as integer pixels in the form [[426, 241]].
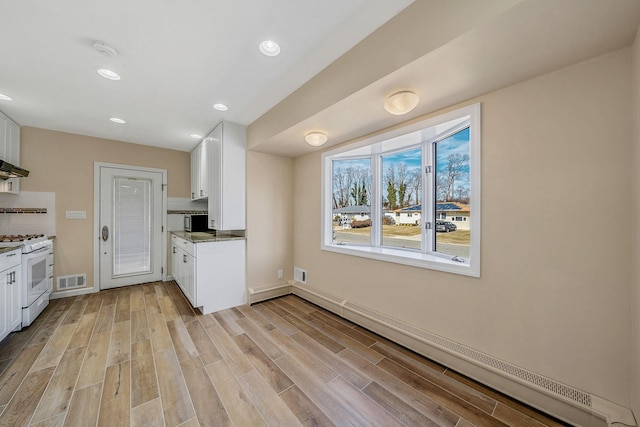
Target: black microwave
[[196, 222]]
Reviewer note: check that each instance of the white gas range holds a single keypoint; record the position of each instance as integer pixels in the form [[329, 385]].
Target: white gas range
[[37, 272]]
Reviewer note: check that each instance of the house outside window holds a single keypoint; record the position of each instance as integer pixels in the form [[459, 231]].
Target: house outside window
[[410, 179]]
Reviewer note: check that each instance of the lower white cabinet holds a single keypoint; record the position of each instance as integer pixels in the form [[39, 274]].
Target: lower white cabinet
[[210, 274], [10, 292]]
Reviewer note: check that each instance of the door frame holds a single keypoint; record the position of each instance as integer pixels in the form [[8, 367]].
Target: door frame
[[96, 217]]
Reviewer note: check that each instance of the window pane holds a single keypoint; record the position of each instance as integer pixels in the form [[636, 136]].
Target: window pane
[[453, 228], [402, 198], [352, 201], [132, 226]]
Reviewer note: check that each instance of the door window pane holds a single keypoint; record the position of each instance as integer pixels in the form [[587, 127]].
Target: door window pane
[[402, 199], [352, 201], [453, 189], [131, 226]]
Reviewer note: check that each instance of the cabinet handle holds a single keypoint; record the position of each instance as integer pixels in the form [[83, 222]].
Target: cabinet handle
[[173, 249], [201, 192], [11, 255], [13, 275], [184, 258], [8, 278], [193, 195], [10, 185]]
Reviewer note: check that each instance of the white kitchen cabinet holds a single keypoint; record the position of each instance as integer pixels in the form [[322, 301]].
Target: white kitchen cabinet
[[227, 177], [212, 276], [199, 171], [9, 151], [10, 292]]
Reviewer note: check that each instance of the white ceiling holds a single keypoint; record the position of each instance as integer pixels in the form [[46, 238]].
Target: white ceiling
[[526, 39], [176, 60]]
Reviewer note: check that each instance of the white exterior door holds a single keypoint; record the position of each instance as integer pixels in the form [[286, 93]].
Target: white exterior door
[[130, 227]]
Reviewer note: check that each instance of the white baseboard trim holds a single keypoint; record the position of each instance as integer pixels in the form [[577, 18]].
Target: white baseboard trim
[[262, 293], [560, 400], [72, 293]]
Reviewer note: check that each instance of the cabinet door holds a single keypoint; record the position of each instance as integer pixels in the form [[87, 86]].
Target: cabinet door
[[203, 178], [195, 172], [188, 265], [5, 304], [14, 296], [10, 151], [176, 264], [215, 178]]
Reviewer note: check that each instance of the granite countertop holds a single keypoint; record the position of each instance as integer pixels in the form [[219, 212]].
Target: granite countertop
[[9, 249], [213, 236]]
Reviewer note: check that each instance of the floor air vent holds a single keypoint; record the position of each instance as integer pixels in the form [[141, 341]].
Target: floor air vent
[[72, 281]]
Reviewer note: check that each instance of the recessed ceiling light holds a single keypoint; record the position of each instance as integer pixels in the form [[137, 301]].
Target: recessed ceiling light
[[195, 136], [108, 74], [270, 48], [117, 120], [220, 107], [5, 97]]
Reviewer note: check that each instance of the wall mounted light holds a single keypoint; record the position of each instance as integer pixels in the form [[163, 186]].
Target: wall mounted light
[[401, 102], [315, 138]]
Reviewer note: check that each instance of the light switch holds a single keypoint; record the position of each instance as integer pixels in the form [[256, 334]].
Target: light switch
[[76, 214]]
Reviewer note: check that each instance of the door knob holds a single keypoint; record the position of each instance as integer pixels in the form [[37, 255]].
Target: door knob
[[105, 233]]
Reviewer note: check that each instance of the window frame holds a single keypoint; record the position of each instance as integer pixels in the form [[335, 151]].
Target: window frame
[[427, 257]]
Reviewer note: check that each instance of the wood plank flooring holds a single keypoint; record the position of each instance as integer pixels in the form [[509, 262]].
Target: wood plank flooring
[[140, 356]]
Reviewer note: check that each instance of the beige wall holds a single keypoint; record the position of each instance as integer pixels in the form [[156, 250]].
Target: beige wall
[[63, 163], [554, 291], [636, 226], [269, 218]]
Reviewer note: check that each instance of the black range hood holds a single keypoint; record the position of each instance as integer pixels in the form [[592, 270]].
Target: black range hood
[[7, 170]]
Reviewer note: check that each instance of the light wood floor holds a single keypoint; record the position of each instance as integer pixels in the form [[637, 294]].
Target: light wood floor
[[141, 356]]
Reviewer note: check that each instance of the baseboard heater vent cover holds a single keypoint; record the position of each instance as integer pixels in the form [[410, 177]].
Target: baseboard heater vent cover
[[72, 281], [548, 384]]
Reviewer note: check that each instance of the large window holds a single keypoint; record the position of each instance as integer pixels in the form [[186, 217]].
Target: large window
[[410, 196]]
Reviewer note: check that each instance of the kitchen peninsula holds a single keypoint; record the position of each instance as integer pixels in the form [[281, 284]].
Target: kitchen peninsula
[[209, 267]]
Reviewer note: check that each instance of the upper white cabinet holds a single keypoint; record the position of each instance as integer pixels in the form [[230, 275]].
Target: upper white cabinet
[[199, 170], [226, 151], [9, 151]]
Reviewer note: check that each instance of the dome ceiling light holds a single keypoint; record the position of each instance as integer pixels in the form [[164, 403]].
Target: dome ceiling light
[[220, 107], [401, 102], [4, 97], [315, 138], [117, 120]]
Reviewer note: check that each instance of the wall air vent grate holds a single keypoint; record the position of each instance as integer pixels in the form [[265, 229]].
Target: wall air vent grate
[[71, 282], [300, 275], [523, 375]]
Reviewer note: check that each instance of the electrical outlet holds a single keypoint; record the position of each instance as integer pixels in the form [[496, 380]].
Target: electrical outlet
[[280, 274]]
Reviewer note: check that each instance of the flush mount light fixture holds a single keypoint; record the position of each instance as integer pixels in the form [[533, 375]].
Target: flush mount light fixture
[[117, 120], [315, 138], [401, 102], [108, 74], [269, 48], [4, 97], [220, 107], [195, 136], [105, 49]]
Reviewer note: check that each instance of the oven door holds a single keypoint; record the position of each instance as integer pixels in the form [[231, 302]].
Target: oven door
[[34, 275]]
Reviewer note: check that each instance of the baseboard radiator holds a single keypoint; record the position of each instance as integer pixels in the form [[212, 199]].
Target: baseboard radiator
[[560, 400]]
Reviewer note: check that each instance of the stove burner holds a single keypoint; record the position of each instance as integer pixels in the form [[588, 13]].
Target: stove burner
[[19, 237]]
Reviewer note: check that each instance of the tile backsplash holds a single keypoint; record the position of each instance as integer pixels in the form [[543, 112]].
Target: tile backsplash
[[28, 212]]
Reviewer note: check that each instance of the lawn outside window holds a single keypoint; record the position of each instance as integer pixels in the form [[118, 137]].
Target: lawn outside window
[[408, 196]]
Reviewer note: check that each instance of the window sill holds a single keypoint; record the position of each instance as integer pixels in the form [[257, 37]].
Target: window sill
[[399, 256]]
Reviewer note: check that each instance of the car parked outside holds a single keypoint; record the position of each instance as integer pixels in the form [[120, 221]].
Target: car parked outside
[[445, 226]]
